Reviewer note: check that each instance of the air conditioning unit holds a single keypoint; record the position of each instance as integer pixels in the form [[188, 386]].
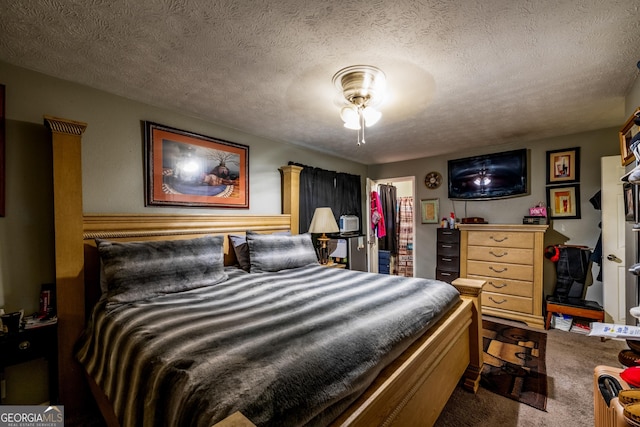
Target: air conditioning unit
[[349, 224]]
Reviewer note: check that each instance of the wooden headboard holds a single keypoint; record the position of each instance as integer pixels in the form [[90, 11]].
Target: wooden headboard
[[128, 227], [76, 258]]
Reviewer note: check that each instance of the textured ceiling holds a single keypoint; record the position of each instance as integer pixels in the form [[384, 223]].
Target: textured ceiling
[[460, 73]]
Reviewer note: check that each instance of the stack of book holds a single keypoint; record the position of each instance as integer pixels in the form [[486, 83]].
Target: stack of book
[[34, 321]]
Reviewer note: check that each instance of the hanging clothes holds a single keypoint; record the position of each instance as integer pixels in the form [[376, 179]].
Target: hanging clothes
[[596, 256], [388, 201], [377, 216], [404, 264]]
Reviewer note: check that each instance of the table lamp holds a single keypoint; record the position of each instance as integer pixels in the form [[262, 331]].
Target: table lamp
[[323, 222]]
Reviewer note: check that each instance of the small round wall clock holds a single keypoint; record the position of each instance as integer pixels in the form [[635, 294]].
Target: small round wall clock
[[433, 180]]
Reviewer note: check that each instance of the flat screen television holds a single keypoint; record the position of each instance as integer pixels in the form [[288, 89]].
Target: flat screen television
[[489, 176]]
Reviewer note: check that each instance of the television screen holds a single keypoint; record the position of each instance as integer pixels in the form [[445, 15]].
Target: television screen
[[490, 176]]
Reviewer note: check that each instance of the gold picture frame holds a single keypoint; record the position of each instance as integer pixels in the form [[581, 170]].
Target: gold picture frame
[[188, 169], [626, 134], [429, 209]]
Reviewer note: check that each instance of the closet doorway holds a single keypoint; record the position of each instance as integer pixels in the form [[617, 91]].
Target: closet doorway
[[396, 195]]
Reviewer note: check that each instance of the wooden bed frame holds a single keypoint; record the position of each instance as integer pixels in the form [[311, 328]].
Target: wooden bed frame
[[411, 391]]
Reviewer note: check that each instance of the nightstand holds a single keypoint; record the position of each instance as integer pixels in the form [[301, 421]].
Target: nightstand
[[31, 344]]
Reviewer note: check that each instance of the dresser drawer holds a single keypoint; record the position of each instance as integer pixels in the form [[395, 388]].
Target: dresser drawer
[[500, 270], [448, 249], [507, 302], [448, 263], [506, 286], [500, 254], [509, 239], [446, 276], [448, 235]]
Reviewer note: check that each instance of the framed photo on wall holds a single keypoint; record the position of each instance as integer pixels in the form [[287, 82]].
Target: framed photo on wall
[[630, 194], [563, 202], [563, 166], [430, 211], [626, 134], [187, 169]]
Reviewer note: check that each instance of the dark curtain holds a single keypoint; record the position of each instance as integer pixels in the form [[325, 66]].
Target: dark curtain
[[319, 188], [388, 200], [349, 195]]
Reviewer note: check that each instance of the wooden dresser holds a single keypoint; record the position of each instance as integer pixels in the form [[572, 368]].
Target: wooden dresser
[[509, 257]]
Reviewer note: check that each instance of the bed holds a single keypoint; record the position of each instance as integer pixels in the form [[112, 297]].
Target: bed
[[411, 389]]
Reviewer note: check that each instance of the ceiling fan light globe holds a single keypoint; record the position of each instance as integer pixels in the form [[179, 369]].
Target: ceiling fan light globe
[[371, 116], [349, 114], [352, 125]]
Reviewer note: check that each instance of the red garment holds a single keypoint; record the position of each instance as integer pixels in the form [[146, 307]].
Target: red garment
[[377, 218]]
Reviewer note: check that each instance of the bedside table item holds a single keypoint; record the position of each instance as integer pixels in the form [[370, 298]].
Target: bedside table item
[[447, 254], [11, 322]]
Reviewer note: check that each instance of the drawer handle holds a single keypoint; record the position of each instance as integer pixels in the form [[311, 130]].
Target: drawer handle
[[446, 246], [498, 255], [497, 286], [497, 239], [496, 270], [445, 274], [497, 302], [446, 259], [24, 345]]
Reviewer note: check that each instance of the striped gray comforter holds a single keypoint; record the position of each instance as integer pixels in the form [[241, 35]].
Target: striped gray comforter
[[289, 348]]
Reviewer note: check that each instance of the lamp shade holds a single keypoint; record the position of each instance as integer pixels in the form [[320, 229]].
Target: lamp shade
[[323, 221]]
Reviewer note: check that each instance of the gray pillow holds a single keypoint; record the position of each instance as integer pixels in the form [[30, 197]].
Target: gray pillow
[[241, 249], [140, 270], [272, 252]]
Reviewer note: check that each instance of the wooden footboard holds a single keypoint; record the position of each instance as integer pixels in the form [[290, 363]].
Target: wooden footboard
[[413, 390]]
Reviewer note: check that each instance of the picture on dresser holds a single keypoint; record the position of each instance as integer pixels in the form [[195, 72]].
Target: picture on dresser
[[563, 166], [564, 202]]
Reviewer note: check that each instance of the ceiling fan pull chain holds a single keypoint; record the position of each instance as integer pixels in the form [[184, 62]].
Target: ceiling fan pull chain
[[362, 122]]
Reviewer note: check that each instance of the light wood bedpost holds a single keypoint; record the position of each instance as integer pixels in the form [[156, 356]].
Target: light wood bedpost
[[472, 289], [66, 137], [291, 194]]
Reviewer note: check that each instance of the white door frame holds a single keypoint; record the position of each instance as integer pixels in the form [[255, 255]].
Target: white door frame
[[613, 240], [371, 238]]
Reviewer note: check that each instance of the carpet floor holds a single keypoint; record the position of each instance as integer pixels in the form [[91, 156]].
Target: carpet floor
[[570, 361]]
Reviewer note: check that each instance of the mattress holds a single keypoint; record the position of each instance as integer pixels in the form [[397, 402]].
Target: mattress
[[287, 348]]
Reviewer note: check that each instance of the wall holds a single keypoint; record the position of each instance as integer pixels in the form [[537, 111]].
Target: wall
[[593, 145], [113, 178]]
